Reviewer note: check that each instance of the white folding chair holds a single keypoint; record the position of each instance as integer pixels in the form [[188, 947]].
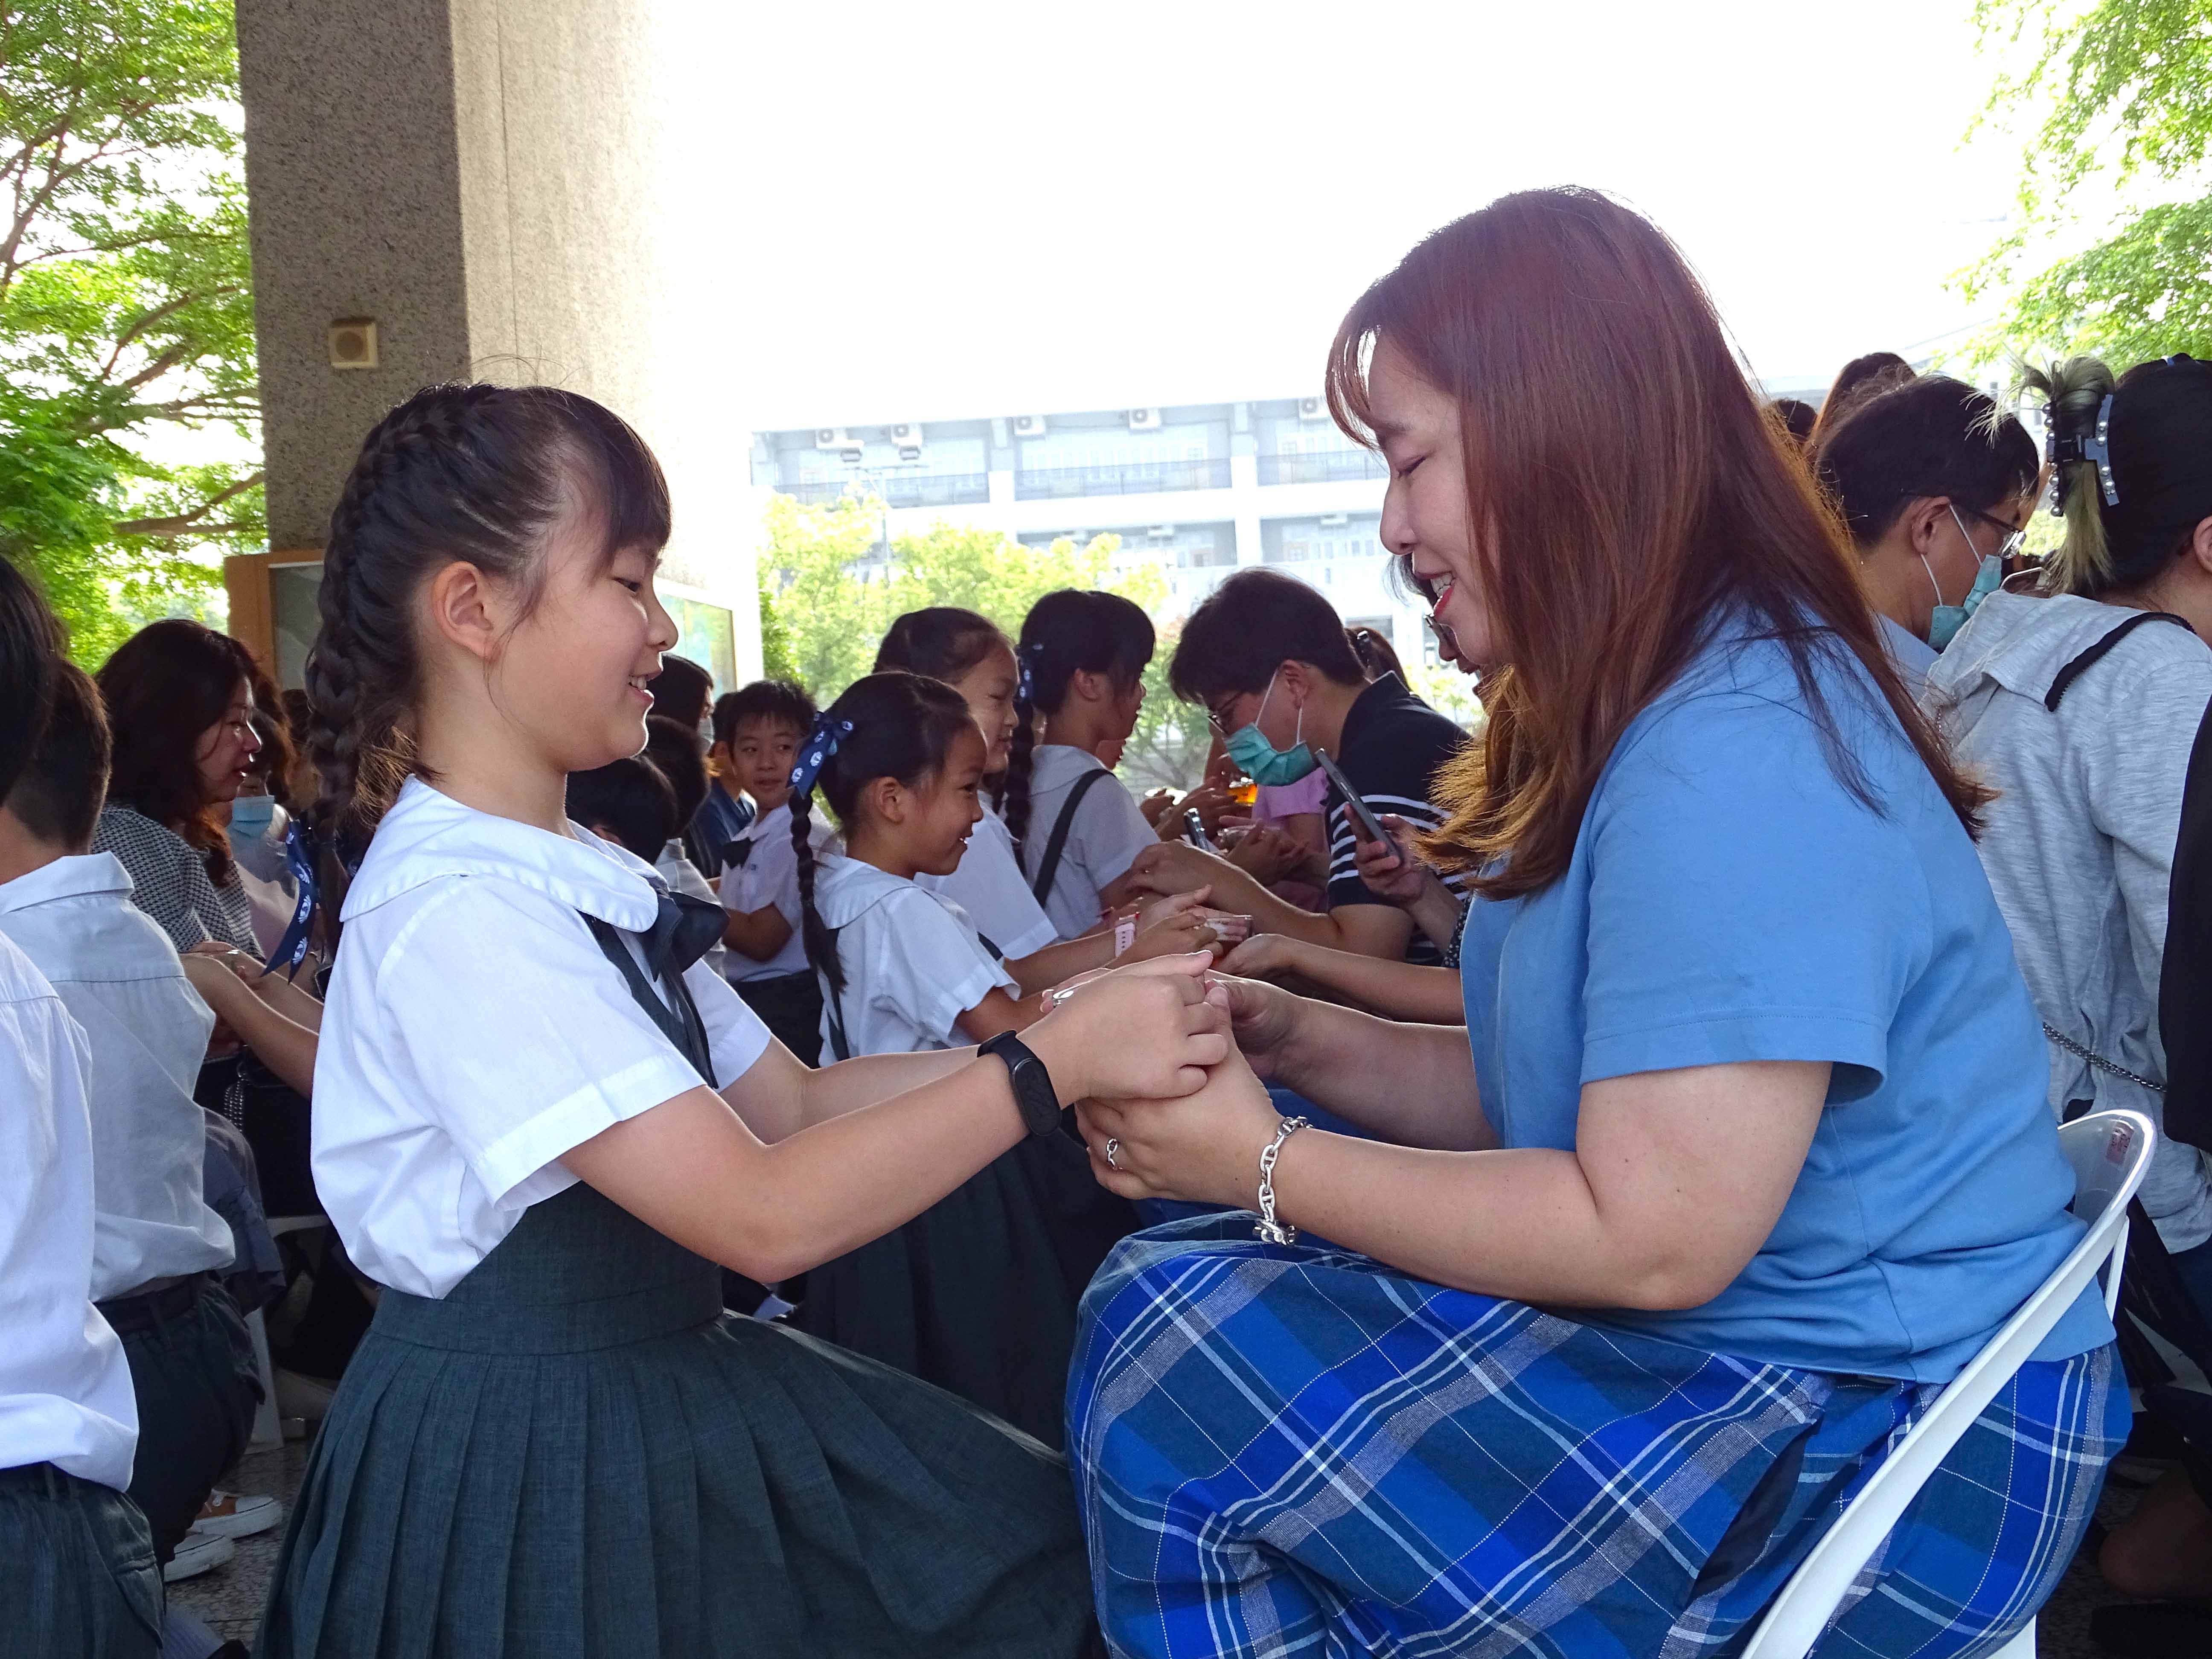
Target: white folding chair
[[2110, 1152]]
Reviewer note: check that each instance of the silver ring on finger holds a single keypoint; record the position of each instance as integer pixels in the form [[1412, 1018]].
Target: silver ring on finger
[[1113, 1145]]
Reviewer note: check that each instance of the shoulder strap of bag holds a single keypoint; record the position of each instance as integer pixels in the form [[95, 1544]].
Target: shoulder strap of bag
[[2089, 659], [1049, 866]]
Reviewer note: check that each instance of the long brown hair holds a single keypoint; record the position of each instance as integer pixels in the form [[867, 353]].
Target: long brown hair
[[1631, 488], [164, 687]]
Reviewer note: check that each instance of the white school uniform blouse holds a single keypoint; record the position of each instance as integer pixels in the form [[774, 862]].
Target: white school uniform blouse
[[990, 885], [1103, 841], [475, 1033], [117, 975], [675, 868], [65, 1395], [912, 964], [768, 876]]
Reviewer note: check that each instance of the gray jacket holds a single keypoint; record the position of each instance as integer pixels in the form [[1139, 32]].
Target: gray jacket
[[2080, 843]]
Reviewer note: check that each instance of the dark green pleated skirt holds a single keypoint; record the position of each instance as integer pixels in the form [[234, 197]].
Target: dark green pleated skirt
[[978, 1293], [576, 1453]]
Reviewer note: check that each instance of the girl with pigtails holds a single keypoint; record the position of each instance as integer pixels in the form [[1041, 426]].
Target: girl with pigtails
[[1080, 667], [978, 1293], [544, 1125], [968, 653]]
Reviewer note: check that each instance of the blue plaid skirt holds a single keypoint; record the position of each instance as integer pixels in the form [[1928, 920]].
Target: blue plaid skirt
[[1295, 1450]]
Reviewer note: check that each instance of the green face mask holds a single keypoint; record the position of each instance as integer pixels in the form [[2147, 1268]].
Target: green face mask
[[1263, 762]]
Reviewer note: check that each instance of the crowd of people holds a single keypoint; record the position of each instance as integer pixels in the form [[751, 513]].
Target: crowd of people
[[849, 1175]]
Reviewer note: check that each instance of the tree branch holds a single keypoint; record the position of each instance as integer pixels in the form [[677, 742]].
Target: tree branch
[[183, 523]]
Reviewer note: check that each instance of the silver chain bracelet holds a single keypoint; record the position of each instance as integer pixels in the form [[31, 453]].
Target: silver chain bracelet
[[1270, 1231]]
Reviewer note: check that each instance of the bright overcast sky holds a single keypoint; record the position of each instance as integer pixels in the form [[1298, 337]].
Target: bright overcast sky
[[942, 208]]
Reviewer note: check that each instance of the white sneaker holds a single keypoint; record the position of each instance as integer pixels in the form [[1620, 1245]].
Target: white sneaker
[[198, 1552], [237, 1515]]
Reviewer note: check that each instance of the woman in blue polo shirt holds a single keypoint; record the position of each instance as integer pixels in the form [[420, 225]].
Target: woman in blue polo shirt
[[1744, 1151]]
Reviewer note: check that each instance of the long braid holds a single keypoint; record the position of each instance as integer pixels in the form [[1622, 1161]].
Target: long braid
[[819, 937], [1012, 799]]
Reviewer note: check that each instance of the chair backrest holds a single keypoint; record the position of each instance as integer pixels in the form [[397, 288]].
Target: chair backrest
[[2110, 1152]]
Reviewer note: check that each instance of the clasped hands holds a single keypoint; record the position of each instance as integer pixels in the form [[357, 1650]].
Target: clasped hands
[[1171, 1021]]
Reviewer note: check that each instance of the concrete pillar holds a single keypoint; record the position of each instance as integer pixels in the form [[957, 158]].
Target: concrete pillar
[[488, 181]]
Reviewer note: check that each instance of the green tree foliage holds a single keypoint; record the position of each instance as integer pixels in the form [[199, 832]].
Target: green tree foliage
[[827, 597], [2120, 92], [126, 314]]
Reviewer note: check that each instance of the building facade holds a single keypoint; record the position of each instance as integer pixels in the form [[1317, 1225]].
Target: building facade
[[1198, 489]]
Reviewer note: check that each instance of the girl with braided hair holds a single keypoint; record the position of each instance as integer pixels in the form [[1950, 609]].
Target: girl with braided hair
[[968, 653], [544, 1125], [977, 1293], [1080, 667]]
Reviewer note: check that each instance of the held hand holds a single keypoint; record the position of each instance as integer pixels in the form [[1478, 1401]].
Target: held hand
[[1171, 926], [1266, 854], [1393, 874], [1263, 955], [1204, 1147], [1146, 1031], [1263, 1017]]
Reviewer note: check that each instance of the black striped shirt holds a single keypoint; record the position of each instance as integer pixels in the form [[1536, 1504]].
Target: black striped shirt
[[1392, 747]]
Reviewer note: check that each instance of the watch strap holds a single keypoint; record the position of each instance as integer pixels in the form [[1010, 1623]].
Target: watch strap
[[1033, 1092]]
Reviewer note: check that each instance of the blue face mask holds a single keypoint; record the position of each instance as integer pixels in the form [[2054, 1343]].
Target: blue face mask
[[251, 815], [1263, 762], [1945, 621]]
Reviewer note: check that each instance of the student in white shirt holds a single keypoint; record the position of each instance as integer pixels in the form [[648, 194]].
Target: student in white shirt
[[541, 1123], [156, 1245], [978, 1293], [1080, 667], [970, 654], [767, 722], [77, 1579]]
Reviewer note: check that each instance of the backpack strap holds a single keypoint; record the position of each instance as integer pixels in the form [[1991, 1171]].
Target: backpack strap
[[2088, 659], [1049, 866]]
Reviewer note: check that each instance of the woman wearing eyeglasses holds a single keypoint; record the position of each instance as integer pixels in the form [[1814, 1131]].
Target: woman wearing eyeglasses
[[1935, 485], [2078, 700]]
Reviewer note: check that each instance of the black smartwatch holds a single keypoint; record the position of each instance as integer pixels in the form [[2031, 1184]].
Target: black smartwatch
[[1033, 1090]]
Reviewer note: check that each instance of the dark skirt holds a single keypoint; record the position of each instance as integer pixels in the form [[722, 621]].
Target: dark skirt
[[577, 1453], [790, 1006], [192, 1371], [77, 1579], [978, 1293]]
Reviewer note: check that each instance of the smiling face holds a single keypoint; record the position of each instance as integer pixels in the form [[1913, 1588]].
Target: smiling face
[[988, 688], [948, 806], [572, 673], [226, 749], [762, 749], [1425, 516]]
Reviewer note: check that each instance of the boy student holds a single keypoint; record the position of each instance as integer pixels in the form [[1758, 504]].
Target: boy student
[[728, 810], [80, 1576], [1268, 657], [766, 961], [157, 1247]]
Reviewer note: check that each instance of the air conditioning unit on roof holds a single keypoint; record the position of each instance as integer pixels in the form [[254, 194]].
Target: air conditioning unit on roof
[[833, 437], [1313, 409], [1028, 426], [906, 438], [1144, 420]]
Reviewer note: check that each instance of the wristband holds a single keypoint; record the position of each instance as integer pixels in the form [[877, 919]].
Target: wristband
[[1125, 934]]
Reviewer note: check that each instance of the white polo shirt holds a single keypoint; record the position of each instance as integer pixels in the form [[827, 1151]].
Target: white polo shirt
[[912, 964], [1104, 840], [65, 1395], [117, 975], [990, 885], [475, 1033], [769, 875]]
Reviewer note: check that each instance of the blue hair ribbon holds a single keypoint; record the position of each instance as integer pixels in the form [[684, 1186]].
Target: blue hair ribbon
[[1026, 659], [821, 743]]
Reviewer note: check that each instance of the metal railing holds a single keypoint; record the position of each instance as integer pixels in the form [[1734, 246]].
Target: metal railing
[[1328, 466], [900, 490], [1136, 478]]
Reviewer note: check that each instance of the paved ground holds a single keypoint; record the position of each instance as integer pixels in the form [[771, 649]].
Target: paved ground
[[230, 1597]]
